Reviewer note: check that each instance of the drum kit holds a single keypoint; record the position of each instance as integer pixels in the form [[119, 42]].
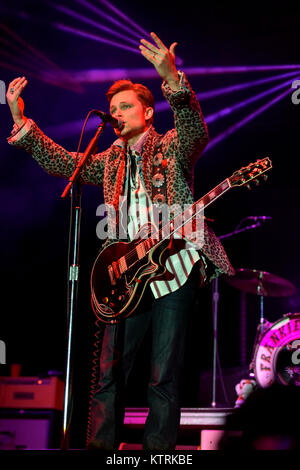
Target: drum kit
[[276, 352]]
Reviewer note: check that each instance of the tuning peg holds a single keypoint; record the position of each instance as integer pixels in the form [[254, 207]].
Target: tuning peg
[[265, 177], [248, 186], [256, 182]]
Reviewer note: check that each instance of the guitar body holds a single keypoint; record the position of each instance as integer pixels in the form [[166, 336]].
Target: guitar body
[[122, 270], [116, 297]]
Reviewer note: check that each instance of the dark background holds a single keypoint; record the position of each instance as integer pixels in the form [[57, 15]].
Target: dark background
[[34, 221]]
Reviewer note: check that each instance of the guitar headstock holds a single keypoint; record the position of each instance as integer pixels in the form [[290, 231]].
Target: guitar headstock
[[250, 173]]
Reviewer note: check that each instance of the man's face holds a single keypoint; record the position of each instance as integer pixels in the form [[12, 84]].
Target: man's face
[[126, 106]]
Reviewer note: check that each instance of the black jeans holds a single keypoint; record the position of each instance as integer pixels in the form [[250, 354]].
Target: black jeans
[[167, 317]]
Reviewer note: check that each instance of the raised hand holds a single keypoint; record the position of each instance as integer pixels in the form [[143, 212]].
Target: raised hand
[[162, 58], [15, 102]]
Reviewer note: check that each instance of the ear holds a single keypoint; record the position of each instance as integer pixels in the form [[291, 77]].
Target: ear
[[149, 113]]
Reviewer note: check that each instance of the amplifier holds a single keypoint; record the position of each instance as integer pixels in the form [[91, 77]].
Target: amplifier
[[29, 429], [31, 393]]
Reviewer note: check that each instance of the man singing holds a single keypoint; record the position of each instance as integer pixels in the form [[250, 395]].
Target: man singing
[[147, 169]]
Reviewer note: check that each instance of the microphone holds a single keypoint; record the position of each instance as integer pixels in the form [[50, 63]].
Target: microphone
[[115, 123], [259, 217]]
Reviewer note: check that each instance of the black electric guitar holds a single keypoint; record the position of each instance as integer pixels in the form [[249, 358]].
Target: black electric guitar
[[122, 270]]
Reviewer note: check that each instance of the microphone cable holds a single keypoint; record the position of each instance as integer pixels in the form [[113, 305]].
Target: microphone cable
[[95, 369]]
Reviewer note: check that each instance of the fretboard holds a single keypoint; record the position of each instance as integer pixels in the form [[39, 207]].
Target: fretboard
[[174, 225]]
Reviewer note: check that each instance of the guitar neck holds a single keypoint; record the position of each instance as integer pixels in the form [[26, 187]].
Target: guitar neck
[[190, 213], [215, 193], [181, 220]]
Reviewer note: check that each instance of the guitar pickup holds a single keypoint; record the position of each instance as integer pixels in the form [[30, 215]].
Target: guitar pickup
[[111, 275], [115, 266], [114, 273]]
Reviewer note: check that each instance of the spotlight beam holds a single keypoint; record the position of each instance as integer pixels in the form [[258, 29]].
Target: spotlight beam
[[94, 37], [231, 109], [29, 73], [124, 17], [206, 95], [67, 81], [19, 62], [19, 54], [238, 69], [219, 138], [108, 18], [18, 59], [18, 40], [95, 24], [106, 75]]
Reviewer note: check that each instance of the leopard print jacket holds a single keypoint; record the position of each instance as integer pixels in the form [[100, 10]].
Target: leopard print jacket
[[180, 148]]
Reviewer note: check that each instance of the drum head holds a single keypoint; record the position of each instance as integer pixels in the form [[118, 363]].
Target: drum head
[[277, 354]]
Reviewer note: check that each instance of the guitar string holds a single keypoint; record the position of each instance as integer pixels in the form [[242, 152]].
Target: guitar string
[[131, 256], [218, 190]]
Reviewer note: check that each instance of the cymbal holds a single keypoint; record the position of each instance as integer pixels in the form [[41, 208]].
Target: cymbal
[[261, 283]]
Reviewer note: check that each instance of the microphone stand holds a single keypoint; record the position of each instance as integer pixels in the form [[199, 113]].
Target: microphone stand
[[75, 191], [215, 303]]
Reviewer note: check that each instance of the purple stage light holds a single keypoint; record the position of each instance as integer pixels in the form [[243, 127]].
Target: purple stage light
[[242, 86], [24, 43], [108, 18], [18, 69], [206, 95], [144, 33], [19, 61], [238, 69], [19, 64], [43, 77], [95, 24], [107, 75], [122, 15], [230, 109], [17, 52], [67, 81], [13, 52], [219, 138], [104, 75], [84, 34]]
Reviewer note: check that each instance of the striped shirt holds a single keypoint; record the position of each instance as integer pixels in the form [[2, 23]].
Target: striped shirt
[[140, 211]]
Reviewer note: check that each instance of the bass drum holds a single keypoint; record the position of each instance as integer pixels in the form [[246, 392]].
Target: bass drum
[[277, 352]]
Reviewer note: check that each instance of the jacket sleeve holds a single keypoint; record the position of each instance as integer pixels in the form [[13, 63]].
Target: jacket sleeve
[[56, 160], [190, 135]]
